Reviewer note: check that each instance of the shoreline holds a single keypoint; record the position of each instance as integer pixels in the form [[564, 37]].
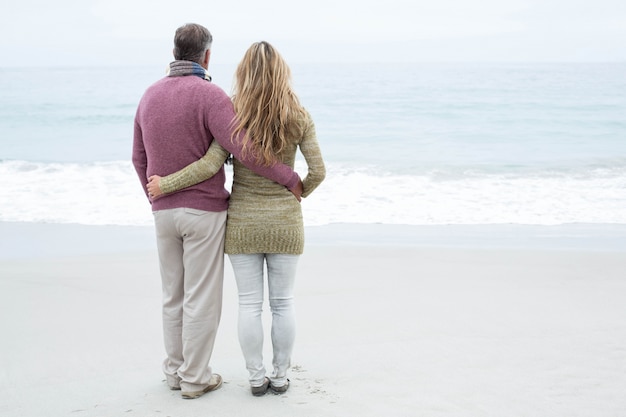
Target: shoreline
[[20, 240]]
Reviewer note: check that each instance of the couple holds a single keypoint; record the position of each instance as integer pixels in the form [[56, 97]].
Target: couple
[[185, 128]]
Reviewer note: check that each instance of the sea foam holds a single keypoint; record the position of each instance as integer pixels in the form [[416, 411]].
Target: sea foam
[[99, 193]]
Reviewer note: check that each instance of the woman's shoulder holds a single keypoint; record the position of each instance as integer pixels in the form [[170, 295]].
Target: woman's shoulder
[[304, 118]]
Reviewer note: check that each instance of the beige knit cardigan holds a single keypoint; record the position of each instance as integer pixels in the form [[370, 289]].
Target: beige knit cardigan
[[263, 216]]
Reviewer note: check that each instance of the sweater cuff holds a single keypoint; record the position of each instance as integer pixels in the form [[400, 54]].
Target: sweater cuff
[[293, 181]]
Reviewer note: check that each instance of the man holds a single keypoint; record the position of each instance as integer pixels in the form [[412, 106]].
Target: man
[[177, 119]]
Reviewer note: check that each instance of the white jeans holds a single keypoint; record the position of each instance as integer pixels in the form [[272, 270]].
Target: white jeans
[[281, 274]]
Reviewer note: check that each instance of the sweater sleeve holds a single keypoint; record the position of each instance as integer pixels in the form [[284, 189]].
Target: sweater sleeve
[[140, 161], [221, 119], [196, 172], [313, 156]]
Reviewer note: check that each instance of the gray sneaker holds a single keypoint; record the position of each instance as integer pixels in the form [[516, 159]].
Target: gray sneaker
[[280, 390], [262, 389]]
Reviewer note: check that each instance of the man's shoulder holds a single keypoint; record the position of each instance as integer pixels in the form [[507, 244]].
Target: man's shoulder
[[196, 81], [208, 86], [192, 90], [193, 80]]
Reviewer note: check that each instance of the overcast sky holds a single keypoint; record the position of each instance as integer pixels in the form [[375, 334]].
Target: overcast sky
[[101, 32]]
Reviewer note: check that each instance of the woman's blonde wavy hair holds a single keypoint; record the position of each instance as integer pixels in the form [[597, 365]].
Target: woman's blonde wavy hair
[[268, 111]]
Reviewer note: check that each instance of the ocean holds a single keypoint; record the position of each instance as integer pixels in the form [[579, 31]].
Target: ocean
[[416, 144]]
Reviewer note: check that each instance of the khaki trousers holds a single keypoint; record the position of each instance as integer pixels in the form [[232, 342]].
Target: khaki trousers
[[190, 244]]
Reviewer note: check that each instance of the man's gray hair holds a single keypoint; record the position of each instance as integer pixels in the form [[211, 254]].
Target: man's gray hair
[[191, 41]]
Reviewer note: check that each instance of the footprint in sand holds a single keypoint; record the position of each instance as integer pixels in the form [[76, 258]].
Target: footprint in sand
[[314, 386]]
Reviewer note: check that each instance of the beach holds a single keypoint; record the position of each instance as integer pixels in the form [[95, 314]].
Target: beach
[[465, 254], [394, 320]]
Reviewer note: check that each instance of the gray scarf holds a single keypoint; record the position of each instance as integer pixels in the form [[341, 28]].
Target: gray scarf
[[181, 68]]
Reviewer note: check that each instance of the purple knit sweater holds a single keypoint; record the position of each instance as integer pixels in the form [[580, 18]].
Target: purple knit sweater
[[176, 120]]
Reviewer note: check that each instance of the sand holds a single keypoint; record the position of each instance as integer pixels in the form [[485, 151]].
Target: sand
[[392, 321]]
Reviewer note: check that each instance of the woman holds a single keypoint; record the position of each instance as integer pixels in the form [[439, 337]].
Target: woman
[[264, 225]]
